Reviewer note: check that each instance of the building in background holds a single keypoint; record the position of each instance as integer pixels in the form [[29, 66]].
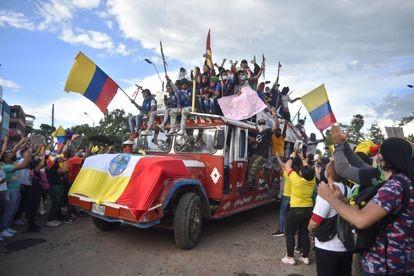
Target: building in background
[[17, 121]]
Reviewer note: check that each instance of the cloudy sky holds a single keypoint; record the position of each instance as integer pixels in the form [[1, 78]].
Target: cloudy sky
[[362, 50]]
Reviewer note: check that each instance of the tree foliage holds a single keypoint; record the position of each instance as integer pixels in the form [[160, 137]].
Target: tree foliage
[[112, 129], [375, 134], [355, 135]]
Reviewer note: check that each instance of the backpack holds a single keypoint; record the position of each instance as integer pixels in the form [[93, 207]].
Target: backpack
[[361, 240], [327, 230]]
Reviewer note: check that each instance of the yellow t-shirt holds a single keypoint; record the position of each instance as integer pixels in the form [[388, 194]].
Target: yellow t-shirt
[[278, 145], [288, 184], [301, 191]]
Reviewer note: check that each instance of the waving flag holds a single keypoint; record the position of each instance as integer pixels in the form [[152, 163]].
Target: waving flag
[[89, 80], [319, 108], [243, 106], [208, 55]]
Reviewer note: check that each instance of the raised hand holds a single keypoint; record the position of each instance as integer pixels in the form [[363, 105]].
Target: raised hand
[[338, 137]]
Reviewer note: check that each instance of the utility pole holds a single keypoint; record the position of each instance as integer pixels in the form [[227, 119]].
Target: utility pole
[[53, 115]]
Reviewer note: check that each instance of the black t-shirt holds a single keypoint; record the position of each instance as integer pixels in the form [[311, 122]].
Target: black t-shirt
[[263, 142]]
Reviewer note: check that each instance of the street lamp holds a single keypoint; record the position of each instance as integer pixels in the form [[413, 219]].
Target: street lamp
[[93, 122], [156, 70]]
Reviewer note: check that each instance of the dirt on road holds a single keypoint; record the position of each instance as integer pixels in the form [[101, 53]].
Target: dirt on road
[[238, 245]]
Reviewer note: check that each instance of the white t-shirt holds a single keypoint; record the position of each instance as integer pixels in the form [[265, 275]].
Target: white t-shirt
[[324, 210]]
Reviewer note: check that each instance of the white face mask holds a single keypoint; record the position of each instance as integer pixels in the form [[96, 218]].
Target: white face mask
[[325, 173], [261, 127], [224, 77]]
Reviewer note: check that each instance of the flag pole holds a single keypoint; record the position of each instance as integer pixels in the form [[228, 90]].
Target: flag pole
[[194, 92]]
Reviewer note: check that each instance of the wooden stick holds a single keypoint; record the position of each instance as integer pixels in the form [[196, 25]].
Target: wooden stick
[[194, 93]]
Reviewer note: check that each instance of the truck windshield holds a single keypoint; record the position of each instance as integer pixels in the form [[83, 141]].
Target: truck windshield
[[156, 142], [196, 140]]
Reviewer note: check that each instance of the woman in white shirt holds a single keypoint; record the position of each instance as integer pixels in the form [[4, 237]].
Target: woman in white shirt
[[332, 258]]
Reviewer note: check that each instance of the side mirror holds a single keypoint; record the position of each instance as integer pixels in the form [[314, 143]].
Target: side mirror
[[220, 139]]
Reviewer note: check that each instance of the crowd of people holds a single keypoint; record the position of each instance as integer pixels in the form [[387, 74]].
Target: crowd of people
[[350, 204], [35, 180]]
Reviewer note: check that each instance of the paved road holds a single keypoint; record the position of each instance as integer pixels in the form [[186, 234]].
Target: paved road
[[238, 245]]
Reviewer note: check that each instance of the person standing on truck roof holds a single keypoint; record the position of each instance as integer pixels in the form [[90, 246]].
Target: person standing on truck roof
[[260, 153]]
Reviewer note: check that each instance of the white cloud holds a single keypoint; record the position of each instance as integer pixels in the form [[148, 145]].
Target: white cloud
[[9, 84], [93, 39], [123, 50], [54, 14], [16, 20], [86, 4]]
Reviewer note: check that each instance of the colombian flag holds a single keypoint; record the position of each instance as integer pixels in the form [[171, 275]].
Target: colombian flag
[[319, 108], [89, 80]]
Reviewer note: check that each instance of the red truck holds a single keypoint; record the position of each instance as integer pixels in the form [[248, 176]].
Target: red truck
[[178, 182]]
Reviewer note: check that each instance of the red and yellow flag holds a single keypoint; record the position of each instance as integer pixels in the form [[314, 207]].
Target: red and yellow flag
[[208, 55]]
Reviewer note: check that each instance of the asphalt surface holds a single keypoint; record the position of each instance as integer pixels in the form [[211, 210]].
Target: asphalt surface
[[237, 245]]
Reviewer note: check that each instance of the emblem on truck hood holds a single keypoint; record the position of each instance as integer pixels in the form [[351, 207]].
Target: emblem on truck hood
[[118, 164]]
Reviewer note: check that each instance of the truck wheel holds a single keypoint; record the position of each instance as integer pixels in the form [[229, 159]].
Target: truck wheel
[[105, 225], [188, 221]]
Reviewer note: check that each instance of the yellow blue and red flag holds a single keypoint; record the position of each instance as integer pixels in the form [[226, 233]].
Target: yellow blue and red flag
[[319, 108], [89, 80]]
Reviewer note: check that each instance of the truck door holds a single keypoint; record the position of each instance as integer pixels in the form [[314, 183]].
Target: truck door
[[239, 164]]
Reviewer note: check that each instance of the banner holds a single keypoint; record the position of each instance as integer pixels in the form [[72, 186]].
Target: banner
[[243, 106]]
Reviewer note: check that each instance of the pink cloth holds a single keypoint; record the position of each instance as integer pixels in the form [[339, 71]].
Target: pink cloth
[[243, 106]]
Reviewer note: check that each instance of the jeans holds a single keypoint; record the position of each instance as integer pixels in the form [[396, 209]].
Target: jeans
[[333, 263], [135, 122], [56, 194], [153, 115], [297, 221], [11, 204], [184, 114], [284, 206]]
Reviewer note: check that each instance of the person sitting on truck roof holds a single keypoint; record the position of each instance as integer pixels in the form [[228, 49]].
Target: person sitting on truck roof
[[183, 105], [148, 105]]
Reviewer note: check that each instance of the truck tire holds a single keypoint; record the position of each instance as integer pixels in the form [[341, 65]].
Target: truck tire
[[188, 221], [105, 225]]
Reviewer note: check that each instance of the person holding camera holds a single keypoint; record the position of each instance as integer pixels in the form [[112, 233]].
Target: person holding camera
[[301, 206]]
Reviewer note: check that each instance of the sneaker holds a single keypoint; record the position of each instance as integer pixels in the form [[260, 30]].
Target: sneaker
[[6, 234], [53, 223], [181, 132], [71, 220], [161, 127], [11, 231], [18, 222], [146, 132], [288, 260], [278, 234], [304, 260]]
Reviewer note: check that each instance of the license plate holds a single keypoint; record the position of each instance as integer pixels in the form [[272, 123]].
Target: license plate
[[98, 209]]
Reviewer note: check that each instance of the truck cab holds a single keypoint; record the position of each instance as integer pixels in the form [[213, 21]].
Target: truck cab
[[176, 181]]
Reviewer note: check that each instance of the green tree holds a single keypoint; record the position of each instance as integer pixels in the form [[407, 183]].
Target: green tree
[[355, 135], [375, 133], [45, 130], [406, 120], [410, 138], [112, 129]]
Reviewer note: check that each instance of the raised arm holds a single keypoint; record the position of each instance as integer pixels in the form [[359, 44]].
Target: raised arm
[[26, 160], [19, 145], [5, 143]]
